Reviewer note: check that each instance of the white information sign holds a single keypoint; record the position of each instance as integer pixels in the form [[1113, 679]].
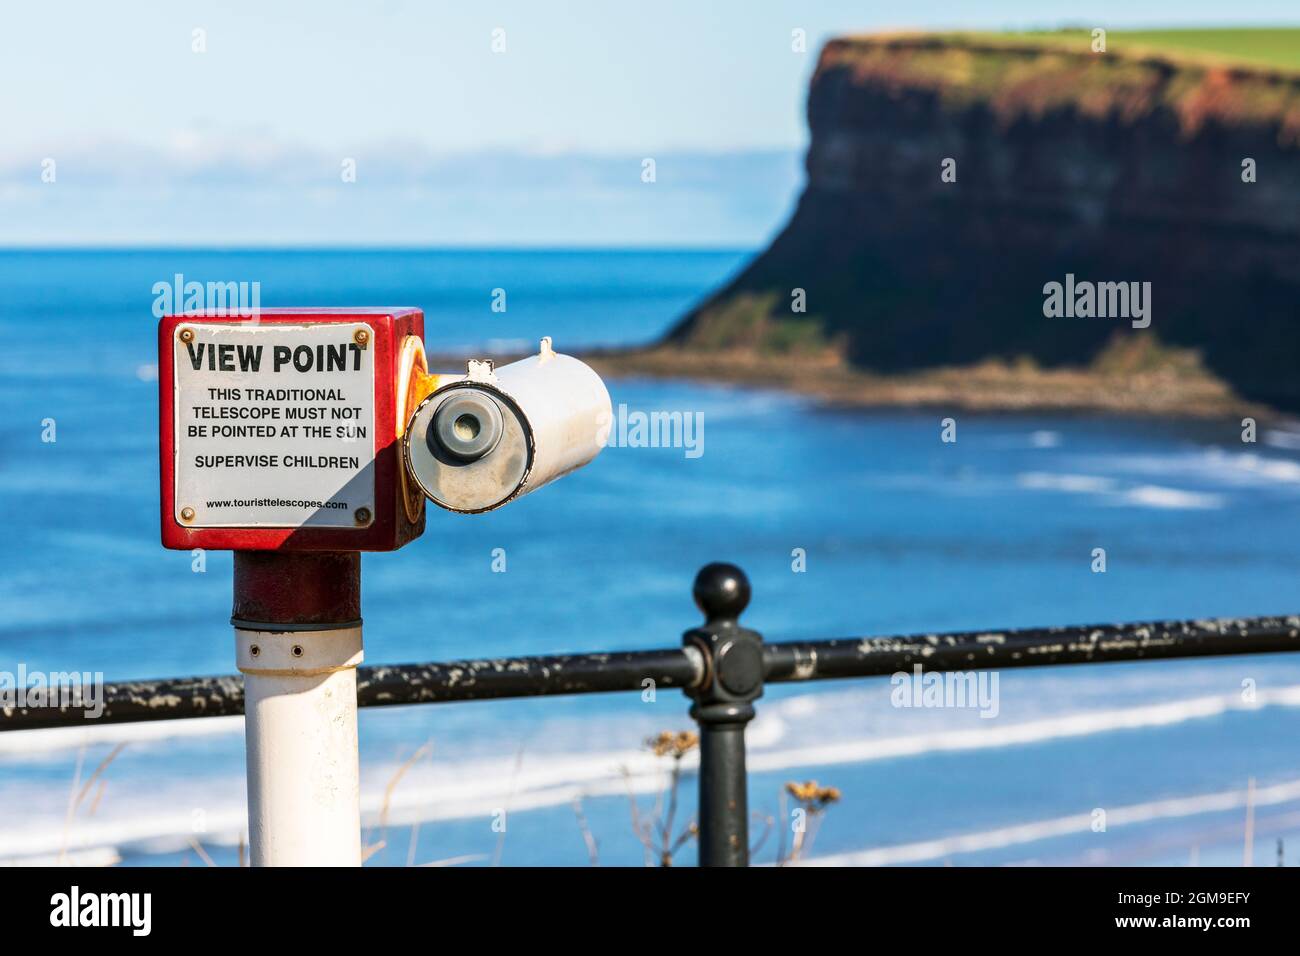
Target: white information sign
[[275, 425]]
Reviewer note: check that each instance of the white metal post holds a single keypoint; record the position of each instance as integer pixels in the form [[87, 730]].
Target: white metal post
[[300, 706]]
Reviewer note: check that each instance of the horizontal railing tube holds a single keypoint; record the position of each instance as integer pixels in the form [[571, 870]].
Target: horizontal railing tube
[[1030, 647], [128, 702], [527, 677], [387, 685]]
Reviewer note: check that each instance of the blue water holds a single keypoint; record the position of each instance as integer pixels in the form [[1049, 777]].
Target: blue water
[[902, 533]]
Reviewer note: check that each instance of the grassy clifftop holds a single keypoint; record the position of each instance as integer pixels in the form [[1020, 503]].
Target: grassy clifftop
[[1270, 47], [1229, 76]]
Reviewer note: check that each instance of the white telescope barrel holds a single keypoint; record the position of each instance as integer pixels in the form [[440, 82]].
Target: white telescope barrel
[[497, 434]]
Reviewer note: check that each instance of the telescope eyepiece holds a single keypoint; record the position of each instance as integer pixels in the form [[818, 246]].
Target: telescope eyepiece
[[466, 426]]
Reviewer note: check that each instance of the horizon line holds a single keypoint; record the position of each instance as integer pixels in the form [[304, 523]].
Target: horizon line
[[369, 247]]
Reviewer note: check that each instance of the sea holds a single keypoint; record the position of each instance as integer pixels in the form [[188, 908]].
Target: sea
[[849, 523]]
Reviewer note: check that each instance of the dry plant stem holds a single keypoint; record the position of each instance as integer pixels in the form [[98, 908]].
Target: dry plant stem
[[641, 830], [657, 811], [780, 846], [797, 845], [203, 855], [803, 839], [768, 823], [99, 795], [72, 804], [1248, 848], [692, 830], [393, 783], [415, 838], [587, 836], [368, 852], [79, 791], [456, 860], [501, 837], [666, 830], [814, 824], [103, 765]]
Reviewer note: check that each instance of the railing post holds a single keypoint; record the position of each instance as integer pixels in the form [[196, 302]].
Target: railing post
[[733, 679]]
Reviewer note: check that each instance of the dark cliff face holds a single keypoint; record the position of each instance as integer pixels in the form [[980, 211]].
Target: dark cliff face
[[1112, 169]]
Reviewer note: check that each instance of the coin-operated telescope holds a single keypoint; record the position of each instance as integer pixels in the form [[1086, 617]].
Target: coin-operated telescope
[[299, 438]]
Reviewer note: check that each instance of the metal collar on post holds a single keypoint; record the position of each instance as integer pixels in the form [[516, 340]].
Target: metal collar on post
[[296, 590]]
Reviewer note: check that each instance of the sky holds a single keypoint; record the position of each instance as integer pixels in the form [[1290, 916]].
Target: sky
[[469, 123]]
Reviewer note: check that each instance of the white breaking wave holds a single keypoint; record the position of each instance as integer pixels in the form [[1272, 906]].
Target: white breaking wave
[[1140, 496], [104, 856], [447, 791], [1080, 724], [1154, 496], [1079, 484], [1040, 438], [55, 739], [1001, 837], [1282, 438], [1246, 468]]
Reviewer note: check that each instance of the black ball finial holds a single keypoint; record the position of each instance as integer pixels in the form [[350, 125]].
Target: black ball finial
[[721, 591]]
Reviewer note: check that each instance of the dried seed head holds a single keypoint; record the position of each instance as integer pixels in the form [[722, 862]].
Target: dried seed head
[[673, 743], [812, 795]]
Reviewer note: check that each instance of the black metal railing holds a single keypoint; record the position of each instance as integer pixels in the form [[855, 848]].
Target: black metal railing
[[721, 666]]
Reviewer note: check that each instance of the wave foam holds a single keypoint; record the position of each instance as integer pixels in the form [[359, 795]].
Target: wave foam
[[437, 792], [56, 739], [1140, 496], [925, 850]]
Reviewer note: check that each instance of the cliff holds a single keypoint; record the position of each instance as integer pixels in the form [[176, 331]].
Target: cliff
[[1104, 167]]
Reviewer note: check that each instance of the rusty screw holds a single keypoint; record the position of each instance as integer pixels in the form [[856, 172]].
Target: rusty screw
[[362, 516], [361, 337], [187, 514], [187, 335]]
